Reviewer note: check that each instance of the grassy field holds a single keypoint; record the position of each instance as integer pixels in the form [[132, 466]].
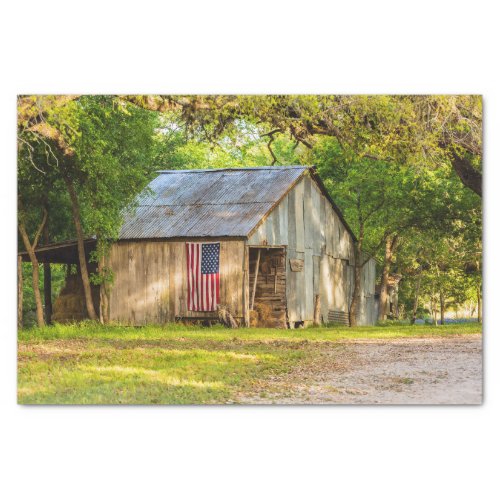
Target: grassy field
[[175, 364]]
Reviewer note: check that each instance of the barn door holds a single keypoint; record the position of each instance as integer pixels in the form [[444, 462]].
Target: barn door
[[267, 287]]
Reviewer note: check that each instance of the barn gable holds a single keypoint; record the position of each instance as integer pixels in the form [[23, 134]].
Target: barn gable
[[311, 227]]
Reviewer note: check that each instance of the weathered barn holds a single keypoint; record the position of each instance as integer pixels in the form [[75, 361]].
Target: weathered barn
[[284, 249]]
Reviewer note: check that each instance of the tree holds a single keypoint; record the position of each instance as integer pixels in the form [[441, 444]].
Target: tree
[[412, 130], [372, 195], [101, 151], [30, 248]]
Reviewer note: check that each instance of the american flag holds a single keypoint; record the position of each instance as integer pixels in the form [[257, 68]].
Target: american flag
[[203, 276]]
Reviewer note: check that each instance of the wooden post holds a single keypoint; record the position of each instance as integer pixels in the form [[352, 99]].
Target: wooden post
[[47, 281], [255, 280], [317, 310], [103, 293], [19, 292], [246, 286]]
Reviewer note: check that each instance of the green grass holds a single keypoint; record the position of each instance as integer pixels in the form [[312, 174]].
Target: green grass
[[94, 364]]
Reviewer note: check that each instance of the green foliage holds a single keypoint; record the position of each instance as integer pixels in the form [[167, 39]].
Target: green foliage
[[386, 160], [114, 148], [29, 308], [242, 146]]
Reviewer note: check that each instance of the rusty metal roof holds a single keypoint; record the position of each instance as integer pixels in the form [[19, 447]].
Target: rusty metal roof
[[208, 203]]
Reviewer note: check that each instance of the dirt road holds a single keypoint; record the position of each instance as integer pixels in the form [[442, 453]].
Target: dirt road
[[443, 370]]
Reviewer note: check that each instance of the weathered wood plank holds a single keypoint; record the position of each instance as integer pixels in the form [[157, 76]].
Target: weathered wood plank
[[292, 221], [276, 227], [329, 231], [283, 221], [269, 229], [299, 216], [315, 220], [316, 274], [326, 287], [165, 315], [308, 219], [307, 301]]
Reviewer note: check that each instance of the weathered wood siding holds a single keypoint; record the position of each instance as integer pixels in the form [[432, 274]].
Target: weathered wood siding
[[307, 224], [150, 281]]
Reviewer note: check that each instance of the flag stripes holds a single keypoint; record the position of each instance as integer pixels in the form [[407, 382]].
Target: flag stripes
[[203, 276]]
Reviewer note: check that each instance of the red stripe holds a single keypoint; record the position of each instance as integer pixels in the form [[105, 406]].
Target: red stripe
[[188, 273], [217, 277], [195, 277], [203, 280], [212, 292], [212, 277], [207, 293], [199, 286], [192, 277], [214, 303]]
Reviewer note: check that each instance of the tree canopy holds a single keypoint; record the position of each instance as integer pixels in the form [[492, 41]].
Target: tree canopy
[[405, 170]]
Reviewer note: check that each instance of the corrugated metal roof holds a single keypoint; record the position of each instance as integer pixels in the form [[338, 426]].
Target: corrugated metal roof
[[208, 203]]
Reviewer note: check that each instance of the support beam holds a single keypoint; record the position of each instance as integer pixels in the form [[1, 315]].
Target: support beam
[[47, 281], [255, 280], [19, 292], [317, 310]]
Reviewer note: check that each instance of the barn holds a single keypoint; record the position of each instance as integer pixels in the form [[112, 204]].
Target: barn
[[267, 244]]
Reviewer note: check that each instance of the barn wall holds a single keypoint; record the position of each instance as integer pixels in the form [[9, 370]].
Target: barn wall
[[307, 224], [150, 281]]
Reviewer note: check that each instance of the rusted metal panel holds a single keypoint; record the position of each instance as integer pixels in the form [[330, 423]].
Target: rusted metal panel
[[212, 203]]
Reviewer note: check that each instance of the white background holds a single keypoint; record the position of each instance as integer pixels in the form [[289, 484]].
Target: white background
[[257, 47]]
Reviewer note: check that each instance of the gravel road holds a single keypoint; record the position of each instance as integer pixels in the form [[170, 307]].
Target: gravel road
[[439, 370]]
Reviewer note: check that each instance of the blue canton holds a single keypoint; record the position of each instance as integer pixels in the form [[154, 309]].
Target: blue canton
[[210, 258]]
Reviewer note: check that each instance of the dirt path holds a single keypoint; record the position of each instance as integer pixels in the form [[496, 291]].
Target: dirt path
[[400, 371]]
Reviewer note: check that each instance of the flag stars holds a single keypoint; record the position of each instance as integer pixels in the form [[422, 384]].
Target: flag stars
[[210, 258]]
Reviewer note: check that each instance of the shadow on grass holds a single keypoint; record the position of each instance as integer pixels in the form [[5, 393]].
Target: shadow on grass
[[145, 375]]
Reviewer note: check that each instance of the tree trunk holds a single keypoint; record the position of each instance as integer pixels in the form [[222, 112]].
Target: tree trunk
[[75, 208], [353, 309], [103, 293], [19, 292], [415, 302], [442, 305], [36, 276], [47, 281], [390, 246], [396, 302], [469, 176], [433, 309]]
